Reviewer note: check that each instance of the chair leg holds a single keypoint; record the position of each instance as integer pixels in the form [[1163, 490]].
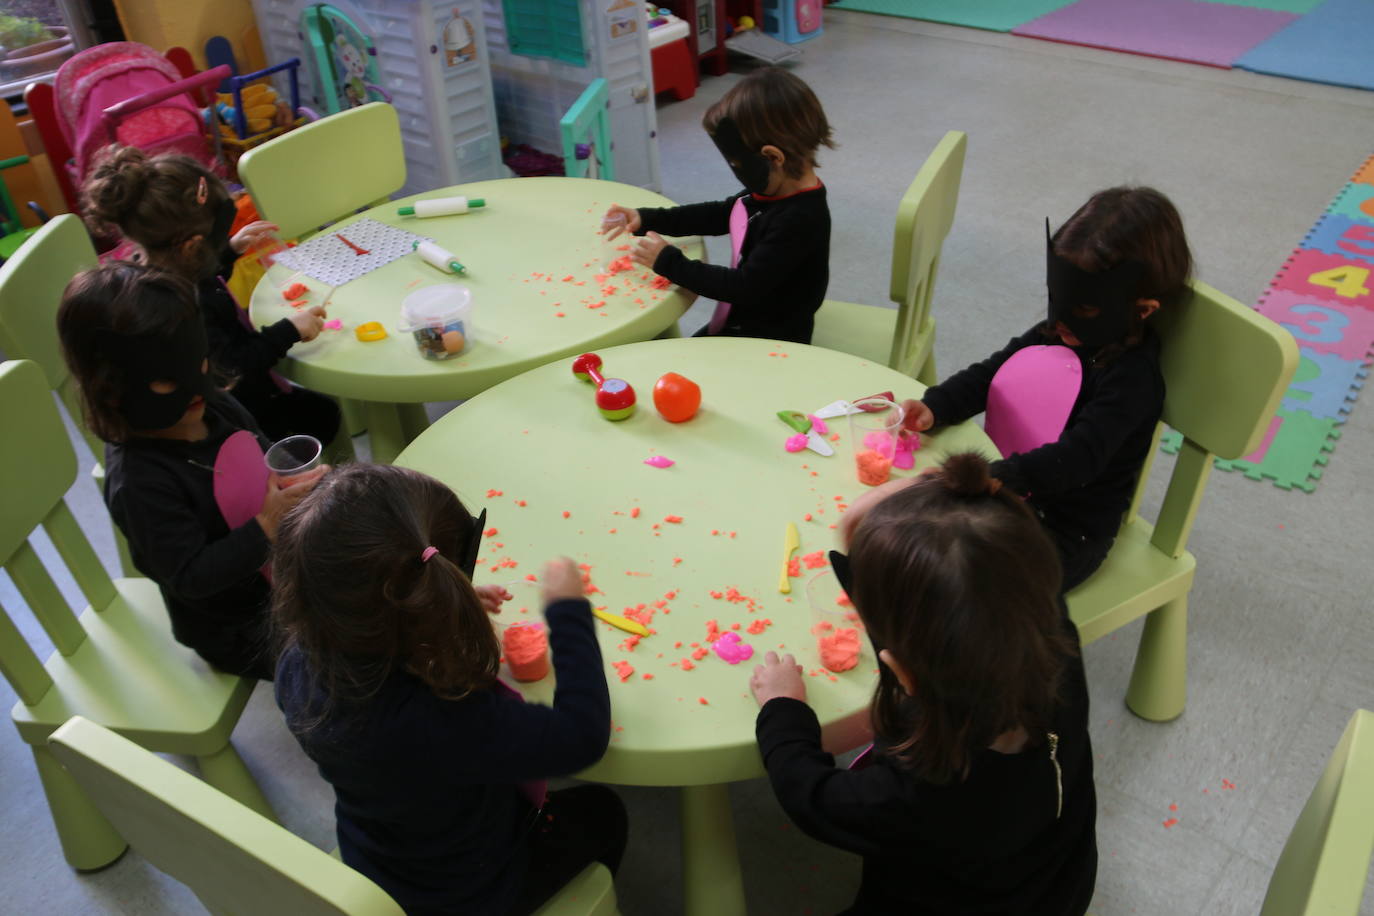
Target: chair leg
[[711, 881], [1159, 681], [88, 839], [926, 376], [226, 771]]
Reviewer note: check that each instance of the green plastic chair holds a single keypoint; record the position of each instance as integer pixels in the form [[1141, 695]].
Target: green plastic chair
[[234, 859], [1324, 863], [1226, 367], [586, 133], [31, 285], [322, 172], [904, 338], [116, 662], [12, 233], [327, 169]]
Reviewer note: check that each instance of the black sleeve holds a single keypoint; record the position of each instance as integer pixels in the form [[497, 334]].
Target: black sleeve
[[858, 810], [1128, 393], [522, 741], [166, 534], [234, 348], [965, 393], [710, 218], [772, 259]]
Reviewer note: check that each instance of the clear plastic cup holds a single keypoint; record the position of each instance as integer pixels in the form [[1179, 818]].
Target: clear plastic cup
[[613, 250], [835, 625], [873, 433], [294, 456], [439, 317]]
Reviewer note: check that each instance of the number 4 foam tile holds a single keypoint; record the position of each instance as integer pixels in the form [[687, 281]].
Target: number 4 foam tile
[[1344, 237], [1296, 455], [1327, 278], [1319, 324], [1356, 201]]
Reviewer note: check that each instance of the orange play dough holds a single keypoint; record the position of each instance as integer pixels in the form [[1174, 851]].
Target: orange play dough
[[873, 467], [527, 651], [840, 650]]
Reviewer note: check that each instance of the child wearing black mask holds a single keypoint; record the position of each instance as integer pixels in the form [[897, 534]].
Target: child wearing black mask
[[134, 341], [181, 214], [1120, 258], [768, 128]]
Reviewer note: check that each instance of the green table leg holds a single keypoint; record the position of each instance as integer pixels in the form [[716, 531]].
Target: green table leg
[[711, 881], [385, 430], [414, 420]]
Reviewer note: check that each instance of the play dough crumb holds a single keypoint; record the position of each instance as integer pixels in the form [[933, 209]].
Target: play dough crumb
[[686, 664], [702, 701], [490, 532], [662, 283], [814, 560], [567, 514], [491, 493], [624, 669], [295, 291], [673, 519]]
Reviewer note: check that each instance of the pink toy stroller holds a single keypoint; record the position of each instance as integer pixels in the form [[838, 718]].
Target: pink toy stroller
[[126, 92]]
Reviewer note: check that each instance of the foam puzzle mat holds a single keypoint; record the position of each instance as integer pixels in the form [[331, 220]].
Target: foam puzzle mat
[[1324, 296]]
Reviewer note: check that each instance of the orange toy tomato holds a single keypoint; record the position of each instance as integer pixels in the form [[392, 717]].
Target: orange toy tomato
[[676, 397]]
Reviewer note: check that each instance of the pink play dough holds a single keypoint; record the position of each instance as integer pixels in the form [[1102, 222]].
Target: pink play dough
[[731, 650]]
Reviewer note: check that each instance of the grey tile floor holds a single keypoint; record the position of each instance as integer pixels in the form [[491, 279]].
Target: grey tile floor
[[1281, 636]]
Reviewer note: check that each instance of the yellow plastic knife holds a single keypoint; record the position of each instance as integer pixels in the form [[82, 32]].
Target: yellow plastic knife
[[622, 623], [791, 541]]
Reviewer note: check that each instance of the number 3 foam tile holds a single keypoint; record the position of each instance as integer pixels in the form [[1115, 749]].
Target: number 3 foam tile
[[1356, 201], [1324, 385], [1327, 277], [1297, 452], [1338, 235], [1319, 324]]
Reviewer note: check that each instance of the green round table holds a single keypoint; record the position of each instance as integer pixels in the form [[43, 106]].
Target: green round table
[[533, 255], [705, 537]]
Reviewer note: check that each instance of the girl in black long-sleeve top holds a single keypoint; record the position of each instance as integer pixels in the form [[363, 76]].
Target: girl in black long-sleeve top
[[768, 127], [977, 796], [388, 680]]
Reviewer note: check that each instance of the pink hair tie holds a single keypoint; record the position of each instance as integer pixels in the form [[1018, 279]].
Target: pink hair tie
[[427, 553]]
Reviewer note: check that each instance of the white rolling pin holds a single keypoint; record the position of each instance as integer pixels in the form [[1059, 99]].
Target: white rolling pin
[[440, 258], [442, 206]]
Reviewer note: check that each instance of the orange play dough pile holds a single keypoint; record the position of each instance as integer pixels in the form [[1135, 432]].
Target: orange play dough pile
[[840, 649], [527, 652]]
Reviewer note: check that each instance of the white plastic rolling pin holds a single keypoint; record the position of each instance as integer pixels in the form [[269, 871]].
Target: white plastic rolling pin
[[440, 258], [442, 206]]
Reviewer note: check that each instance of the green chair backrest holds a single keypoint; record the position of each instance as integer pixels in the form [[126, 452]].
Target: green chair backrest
[[924, 218], [236, 860], [31, 285], [1324, 863], [1225, 368], [326, 170], [9, 213], [37, 467], [588, 123]]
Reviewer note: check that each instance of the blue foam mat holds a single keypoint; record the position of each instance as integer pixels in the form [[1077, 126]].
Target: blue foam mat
[[1334, 43]]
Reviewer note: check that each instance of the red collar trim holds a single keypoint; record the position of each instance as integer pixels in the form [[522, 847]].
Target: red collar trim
[[815, 187]]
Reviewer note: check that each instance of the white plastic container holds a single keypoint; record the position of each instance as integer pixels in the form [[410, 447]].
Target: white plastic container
[[439, 318]]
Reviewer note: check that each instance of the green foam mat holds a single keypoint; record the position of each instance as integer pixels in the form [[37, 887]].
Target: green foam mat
[[992, 15]]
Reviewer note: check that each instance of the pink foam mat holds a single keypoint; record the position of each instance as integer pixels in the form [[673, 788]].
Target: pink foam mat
[[1216, 34]]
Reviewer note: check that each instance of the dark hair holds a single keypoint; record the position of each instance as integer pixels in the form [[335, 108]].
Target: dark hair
[[130, 300], [351, 591], [1131, 224], [152, 200], [955, 577], [773, 107]]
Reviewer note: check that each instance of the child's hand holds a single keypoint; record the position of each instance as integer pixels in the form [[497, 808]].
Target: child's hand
[[282, 499], [917, 416], [252, 235], [561, 580], [646, 252], [491, 597], [778, 678], [612, 226], [309, 322]]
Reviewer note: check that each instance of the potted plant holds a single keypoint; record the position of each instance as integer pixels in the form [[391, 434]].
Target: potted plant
[[29, 47]]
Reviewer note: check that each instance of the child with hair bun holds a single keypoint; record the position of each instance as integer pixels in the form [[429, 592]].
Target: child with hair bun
[[388, 679], [180, 214], [977, 795]]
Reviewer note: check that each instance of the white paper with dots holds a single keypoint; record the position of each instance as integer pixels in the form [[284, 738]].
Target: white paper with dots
[[331, 260]]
